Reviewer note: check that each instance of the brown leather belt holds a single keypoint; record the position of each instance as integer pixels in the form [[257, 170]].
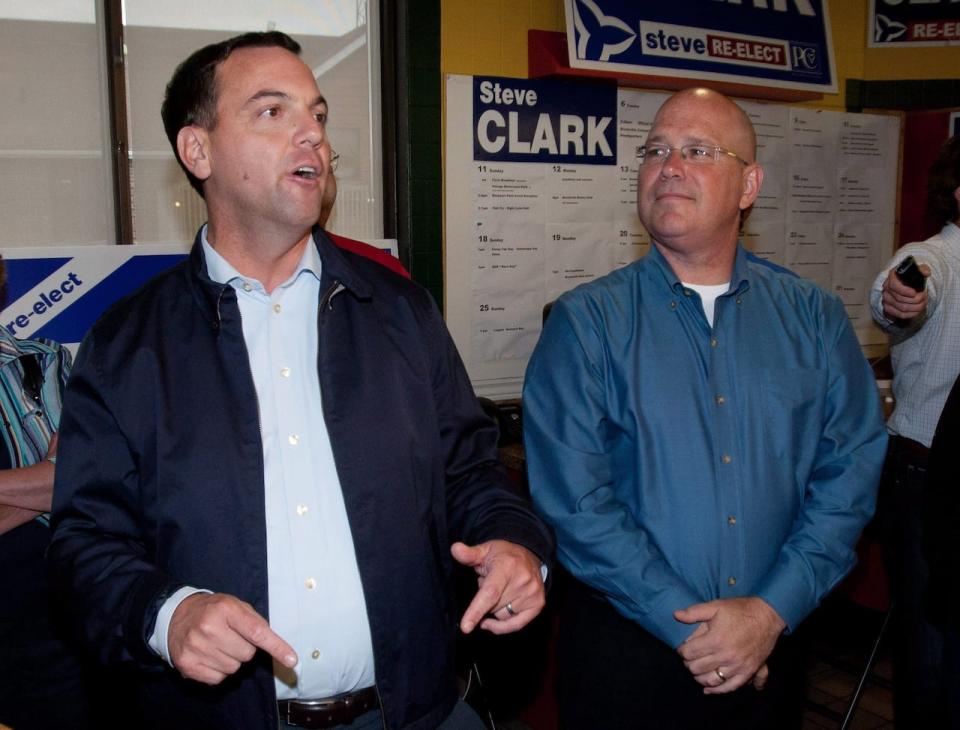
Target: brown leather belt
[[340, 710]]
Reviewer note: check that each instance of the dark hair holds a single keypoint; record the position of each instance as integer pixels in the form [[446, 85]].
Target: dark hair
[[943, 181], [191, 96]]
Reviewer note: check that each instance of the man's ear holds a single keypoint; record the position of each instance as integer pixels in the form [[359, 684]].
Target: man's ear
[[194, 151], [752, 180]]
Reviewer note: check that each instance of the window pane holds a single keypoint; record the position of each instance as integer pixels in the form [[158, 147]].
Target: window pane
[[56, 175], [339, 43]]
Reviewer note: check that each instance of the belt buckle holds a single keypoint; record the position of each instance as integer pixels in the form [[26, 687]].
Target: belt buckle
[[300, 711], [324, 712]]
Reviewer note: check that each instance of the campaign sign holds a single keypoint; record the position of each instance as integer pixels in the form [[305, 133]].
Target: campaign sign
[[58, 292], [913, 23], [780, 43], [521, 120]]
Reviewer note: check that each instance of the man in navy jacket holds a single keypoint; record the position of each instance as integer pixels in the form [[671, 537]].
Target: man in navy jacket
[[271, 454]]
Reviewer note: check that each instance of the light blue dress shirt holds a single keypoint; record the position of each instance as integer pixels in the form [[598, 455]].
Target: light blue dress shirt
[[680, 464], [315, 595], [925, 355]]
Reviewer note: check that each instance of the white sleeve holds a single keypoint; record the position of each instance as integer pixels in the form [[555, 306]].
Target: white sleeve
[[158, 639]]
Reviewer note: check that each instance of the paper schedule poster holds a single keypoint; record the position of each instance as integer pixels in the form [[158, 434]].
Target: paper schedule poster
[[541, 186]]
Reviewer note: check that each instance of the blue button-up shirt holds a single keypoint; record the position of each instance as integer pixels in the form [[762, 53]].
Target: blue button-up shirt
[[681, 463]]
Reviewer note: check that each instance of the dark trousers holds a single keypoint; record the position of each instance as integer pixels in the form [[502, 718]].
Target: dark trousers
[[42, 685], [616, 676], [926, 669]]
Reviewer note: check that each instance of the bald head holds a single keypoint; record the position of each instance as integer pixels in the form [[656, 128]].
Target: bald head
[[692, 208], [714, 106]]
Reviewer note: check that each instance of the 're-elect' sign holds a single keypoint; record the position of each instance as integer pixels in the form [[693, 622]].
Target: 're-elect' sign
[[58, 292], [779, 43], [913, 22]]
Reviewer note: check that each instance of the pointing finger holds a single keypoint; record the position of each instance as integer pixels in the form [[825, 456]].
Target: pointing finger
[[255, 629]]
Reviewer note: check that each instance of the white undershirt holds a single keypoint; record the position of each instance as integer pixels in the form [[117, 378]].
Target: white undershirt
[[708, 295]]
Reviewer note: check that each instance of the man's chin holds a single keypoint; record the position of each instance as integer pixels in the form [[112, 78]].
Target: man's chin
[[303, 218], [670, 227]]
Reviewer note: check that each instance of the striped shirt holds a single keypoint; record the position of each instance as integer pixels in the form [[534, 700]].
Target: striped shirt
[[925, 355], [28, 424]]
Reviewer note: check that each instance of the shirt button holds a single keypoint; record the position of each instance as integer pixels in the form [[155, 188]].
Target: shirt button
[[247, 286], [277, 308], [315, 654], [294, 439], [285, 372], [731, 520], [713, 342], [720, 400], [731, 581], [310, 583], [726, 458], [739, 300], [686, 292], [302, 509], [673, 305]]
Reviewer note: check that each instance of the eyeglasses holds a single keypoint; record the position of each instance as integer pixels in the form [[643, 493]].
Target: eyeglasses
[[698, 154], [334, 160]]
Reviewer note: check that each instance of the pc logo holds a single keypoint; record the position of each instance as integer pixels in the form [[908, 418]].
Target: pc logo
[[805, 58]]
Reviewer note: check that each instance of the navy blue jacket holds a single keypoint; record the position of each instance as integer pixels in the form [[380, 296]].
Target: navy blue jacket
[[160, 481]]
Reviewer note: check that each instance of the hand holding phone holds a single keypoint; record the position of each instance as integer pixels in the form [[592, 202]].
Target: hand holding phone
[[909, 273]]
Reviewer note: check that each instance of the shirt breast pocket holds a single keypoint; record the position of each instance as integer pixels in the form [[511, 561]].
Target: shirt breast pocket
[[791, 406]]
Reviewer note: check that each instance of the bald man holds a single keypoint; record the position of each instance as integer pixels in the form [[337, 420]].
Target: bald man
[[705, 436]]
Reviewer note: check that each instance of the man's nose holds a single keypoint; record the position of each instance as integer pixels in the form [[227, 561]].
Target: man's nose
[[309, 130], [672, 165]]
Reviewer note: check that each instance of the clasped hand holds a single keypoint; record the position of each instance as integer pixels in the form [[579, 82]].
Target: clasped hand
[[735, 636]]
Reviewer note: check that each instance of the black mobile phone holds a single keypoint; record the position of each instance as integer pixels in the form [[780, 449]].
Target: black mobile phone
[[909, 273]]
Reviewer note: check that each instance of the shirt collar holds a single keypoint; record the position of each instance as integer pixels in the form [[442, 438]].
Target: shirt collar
[[951, 234], [8, 346], [222, 271], [739, 278]]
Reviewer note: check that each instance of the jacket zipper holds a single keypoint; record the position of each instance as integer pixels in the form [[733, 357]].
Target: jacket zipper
[[326, 303], [383, 715], [334, 289]]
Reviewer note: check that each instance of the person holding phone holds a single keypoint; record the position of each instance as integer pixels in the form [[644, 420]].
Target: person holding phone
[[922, 318]]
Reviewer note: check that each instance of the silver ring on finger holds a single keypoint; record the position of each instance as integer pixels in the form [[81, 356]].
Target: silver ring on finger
[[720, 675], [510, 609]]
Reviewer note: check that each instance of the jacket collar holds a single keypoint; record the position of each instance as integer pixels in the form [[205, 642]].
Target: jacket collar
[[336, 269]]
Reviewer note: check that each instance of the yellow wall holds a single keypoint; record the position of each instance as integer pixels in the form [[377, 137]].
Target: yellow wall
[[490, 37]]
